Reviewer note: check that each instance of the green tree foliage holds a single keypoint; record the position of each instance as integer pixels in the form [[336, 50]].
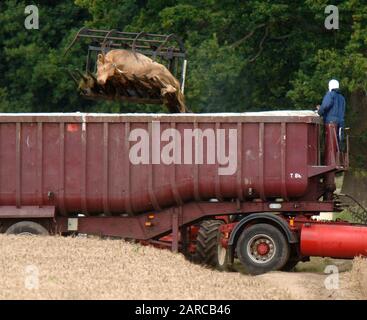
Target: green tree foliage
[[243, 55]]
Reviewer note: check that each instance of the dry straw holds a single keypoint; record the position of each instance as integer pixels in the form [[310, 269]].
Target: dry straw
[[85, 268]]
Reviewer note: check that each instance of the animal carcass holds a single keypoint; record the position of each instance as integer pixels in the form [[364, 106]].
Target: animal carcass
[[128, 69]]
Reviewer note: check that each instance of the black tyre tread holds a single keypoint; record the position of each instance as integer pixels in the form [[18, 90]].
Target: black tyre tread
[[290, 265], [275, 264], [206, 243], [293, 260], [27, 226]]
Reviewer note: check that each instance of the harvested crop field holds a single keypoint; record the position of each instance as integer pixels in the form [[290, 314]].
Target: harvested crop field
[[84, 268]]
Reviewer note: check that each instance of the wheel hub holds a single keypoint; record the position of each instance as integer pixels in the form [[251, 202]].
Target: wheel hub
[[222, 252], [261, 248]]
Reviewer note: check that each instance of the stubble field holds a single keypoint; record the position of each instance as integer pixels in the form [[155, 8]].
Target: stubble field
[[84, 268]]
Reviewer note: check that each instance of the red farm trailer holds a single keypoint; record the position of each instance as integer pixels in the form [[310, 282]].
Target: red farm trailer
[[213, 186]]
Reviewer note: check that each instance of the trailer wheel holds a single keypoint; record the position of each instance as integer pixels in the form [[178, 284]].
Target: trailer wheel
[[208, 251], [27, 228], [292, 261], [262, 248]]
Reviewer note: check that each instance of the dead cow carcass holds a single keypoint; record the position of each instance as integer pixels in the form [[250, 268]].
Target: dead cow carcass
[[129, 70]]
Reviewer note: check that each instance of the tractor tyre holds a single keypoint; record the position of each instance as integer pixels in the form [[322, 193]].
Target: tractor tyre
[[208, 250]]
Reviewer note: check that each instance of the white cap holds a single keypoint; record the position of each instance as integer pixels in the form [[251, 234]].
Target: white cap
[[333, 84]]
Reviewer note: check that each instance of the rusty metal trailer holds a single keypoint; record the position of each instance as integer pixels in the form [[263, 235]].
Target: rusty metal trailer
[[213, 186]]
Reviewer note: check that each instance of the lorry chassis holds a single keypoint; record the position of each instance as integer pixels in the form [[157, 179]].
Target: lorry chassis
[[194, 225]]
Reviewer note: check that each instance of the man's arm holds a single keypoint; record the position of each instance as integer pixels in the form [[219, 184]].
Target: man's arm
[[327, 103]]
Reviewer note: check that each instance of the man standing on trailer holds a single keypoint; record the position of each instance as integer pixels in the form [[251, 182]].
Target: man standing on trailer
[[332, 108]]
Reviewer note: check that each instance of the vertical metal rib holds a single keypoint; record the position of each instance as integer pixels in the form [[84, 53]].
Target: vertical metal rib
[[196, 168], [283, 150], [126, 172], [83, 180], [151, 192], [106, 207], [62, 169], [239, 162], [40, 162], [218, 193], [261, 160], [175, 229], [18, 164], [176, 193]]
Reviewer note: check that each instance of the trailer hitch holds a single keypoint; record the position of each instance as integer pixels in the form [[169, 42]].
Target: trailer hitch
[[361, 216]]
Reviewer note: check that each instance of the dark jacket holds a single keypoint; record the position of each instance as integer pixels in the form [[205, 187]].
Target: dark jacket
[[333, 108]]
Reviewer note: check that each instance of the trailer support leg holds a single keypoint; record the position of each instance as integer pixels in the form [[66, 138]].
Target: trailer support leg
[[175, 231]]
